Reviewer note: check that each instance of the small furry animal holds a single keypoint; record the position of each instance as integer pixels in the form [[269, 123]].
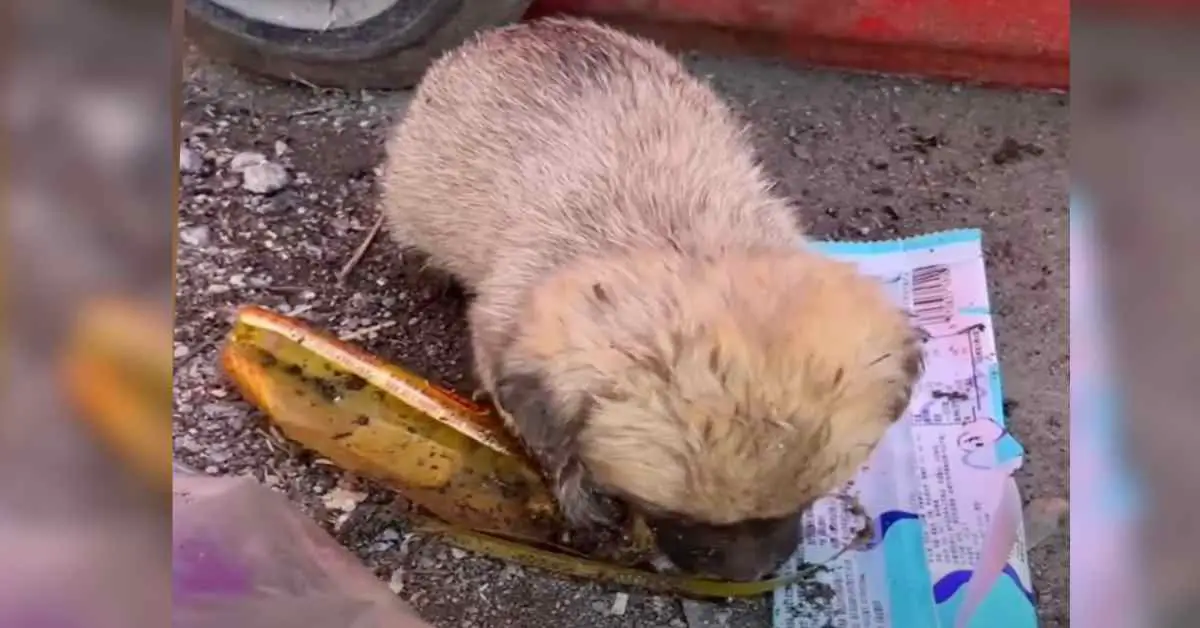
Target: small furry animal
[[643, 313]]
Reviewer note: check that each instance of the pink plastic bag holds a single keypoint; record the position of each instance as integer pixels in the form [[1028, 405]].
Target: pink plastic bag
[[243, 556]]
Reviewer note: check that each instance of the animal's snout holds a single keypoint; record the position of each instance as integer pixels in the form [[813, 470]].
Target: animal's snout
[[750, 550]]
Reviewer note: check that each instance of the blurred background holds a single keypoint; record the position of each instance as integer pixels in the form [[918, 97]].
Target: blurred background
[[90, 172], [1135, 133]]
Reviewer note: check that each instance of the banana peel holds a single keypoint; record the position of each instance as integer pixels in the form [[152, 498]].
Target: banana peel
[[376, 420], [451, 457]]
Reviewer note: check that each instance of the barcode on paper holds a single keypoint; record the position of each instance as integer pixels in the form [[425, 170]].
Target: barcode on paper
[[932, 296]]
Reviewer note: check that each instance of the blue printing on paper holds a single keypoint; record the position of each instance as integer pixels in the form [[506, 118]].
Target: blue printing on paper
[[1010, 603]]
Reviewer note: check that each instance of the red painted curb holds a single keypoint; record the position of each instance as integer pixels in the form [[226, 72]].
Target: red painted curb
[[1023, 43]]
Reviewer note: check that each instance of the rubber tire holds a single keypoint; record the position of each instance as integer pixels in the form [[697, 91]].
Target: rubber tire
[[388, 51]]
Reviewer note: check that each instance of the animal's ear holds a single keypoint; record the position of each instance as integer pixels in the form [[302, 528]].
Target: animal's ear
[[550, 431]]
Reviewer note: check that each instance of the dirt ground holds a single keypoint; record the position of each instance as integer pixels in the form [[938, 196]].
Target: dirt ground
[[866, 157]]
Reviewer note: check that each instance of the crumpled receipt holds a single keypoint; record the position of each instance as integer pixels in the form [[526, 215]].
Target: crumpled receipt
[[945, 544]]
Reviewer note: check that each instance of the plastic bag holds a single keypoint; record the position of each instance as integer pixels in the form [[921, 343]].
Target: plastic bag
[[243, 556]]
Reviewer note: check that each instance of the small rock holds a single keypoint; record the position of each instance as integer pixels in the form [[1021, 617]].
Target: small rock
[[189, 444], [195, 236], [343, 500], [458, 554], [181, 351], [190, 162], [396, 581], [341, 226], [620, 603], [220, 409], [389, 535], [704, 615], [265, 178], [281, 148], [511, 572], [241, 161]]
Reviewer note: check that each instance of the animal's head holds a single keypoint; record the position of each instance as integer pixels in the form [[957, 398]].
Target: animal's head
[[719, 397]]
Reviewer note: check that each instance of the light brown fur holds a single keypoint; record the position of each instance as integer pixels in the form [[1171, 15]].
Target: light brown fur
[[642, 313]]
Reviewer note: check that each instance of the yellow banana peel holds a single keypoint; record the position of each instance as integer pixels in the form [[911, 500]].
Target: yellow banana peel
[[443, 453], [383, 423]]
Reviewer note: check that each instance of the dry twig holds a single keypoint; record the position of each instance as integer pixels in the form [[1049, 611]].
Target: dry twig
[[360, 251]]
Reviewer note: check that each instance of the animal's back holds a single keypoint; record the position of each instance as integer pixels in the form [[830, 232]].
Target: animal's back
[[559, 137]]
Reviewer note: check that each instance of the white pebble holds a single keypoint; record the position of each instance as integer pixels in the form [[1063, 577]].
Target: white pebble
[[264, 178], [396, 582], [190, 162], [241, 161], [195, 236], [343, 500]]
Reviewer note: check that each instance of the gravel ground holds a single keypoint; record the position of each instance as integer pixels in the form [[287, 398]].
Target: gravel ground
[[867, 157]]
